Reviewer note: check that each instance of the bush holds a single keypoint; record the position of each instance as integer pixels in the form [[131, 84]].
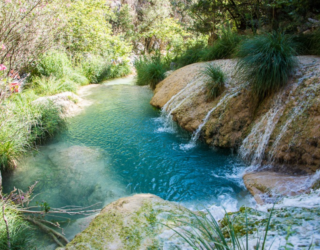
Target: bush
[[150, 71], [315, 43], [225, 47], [46, 86], [303, 43], [54, 63], [190, 56], [119, 70], [266, 62], [214, 81], [79, 79], [24, 123], [95, 68]]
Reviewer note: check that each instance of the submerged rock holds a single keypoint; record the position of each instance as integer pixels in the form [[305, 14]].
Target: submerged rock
[[129, 223]]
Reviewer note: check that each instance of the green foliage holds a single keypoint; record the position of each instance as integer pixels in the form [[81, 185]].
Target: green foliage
[[224, 47], [304, 45], [119, 70], [315, 43], [190, 56], [19, 229], [46, 86], [214, 81], [54, 63], [266, 62], [23, 123], [87, 31], [150, 70]]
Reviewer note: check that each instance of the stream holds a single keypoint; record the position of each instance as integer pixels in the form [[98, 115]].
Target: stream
[[116, 148]]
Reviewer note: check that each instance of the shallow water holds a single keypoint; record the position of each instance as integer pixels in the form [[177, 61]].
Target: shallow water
[[116, 147]]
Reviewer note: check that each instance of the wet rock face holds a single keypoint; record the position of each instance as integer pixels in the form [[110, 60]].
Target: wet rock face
[[283, 130]]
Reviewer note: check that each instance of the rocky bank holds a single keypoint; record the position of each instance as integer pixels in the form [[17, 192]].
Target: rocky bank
[[280, 136]]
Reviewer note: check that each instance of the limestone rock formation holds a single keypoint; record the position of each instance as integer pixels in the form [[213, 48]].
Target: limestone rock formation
[[282, 132], [284, 129], [129, 223]]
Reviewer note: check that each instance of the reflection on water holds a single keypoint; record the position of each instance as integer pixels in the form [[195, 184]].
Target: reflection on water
[[115, 148]]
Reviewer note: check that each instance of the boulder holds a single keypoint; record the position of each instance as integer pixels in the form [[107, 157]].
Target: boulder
[[266, 187], [135, 222]]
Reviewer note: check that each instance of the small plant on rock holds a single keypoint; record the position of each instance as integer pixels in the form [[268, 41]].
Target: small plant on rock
[[214, 81]]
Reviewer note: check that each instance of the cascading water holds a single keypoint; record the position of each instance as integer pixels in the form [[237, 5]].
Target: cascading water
[[254, 145], [176, 101], [196, 134]]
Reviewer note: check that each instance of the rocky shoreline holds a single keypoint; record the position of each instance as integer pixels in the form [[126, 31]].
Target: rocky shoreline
[[280, 136]]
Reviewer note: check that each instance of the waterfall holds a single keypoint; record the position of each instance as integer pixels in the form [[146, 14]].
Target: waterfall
[[255, 144], [187, 92], [261, 133], [303, 102], [196, 134]]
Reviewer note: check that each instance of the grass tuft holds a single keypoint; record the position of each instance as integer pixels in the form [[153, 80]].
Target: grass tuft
[[266, 62], [23, 123], [214, 81], [202, 231]]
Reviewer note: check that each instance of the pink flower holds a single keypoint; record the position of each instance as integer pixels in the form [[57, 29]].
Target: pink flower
[[8, 55], [2, 67], [3, 47], [23, 10], [8, 1]]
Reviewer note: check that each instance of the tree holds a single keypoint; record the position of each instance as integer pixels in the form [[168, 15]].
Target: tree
[[27, 29]]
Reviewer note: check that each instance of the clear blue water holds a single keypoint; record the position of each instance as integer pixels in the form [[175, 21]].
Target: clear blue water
[[114, 149]]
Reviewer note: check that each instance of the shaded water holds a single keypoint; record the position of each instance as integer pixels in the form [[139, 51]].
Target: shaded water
[[115, 148]]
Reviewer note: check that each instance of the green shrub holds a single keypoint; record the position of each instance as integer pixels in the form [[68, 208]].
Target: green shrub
[[54, 63], [190, 56], [94, 68], [315, 43], [119, 70], [78, 78], [266, 62], [223, 48], [46, 86], [23, 123], [150, 70], [214, 81], [303, 43]]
